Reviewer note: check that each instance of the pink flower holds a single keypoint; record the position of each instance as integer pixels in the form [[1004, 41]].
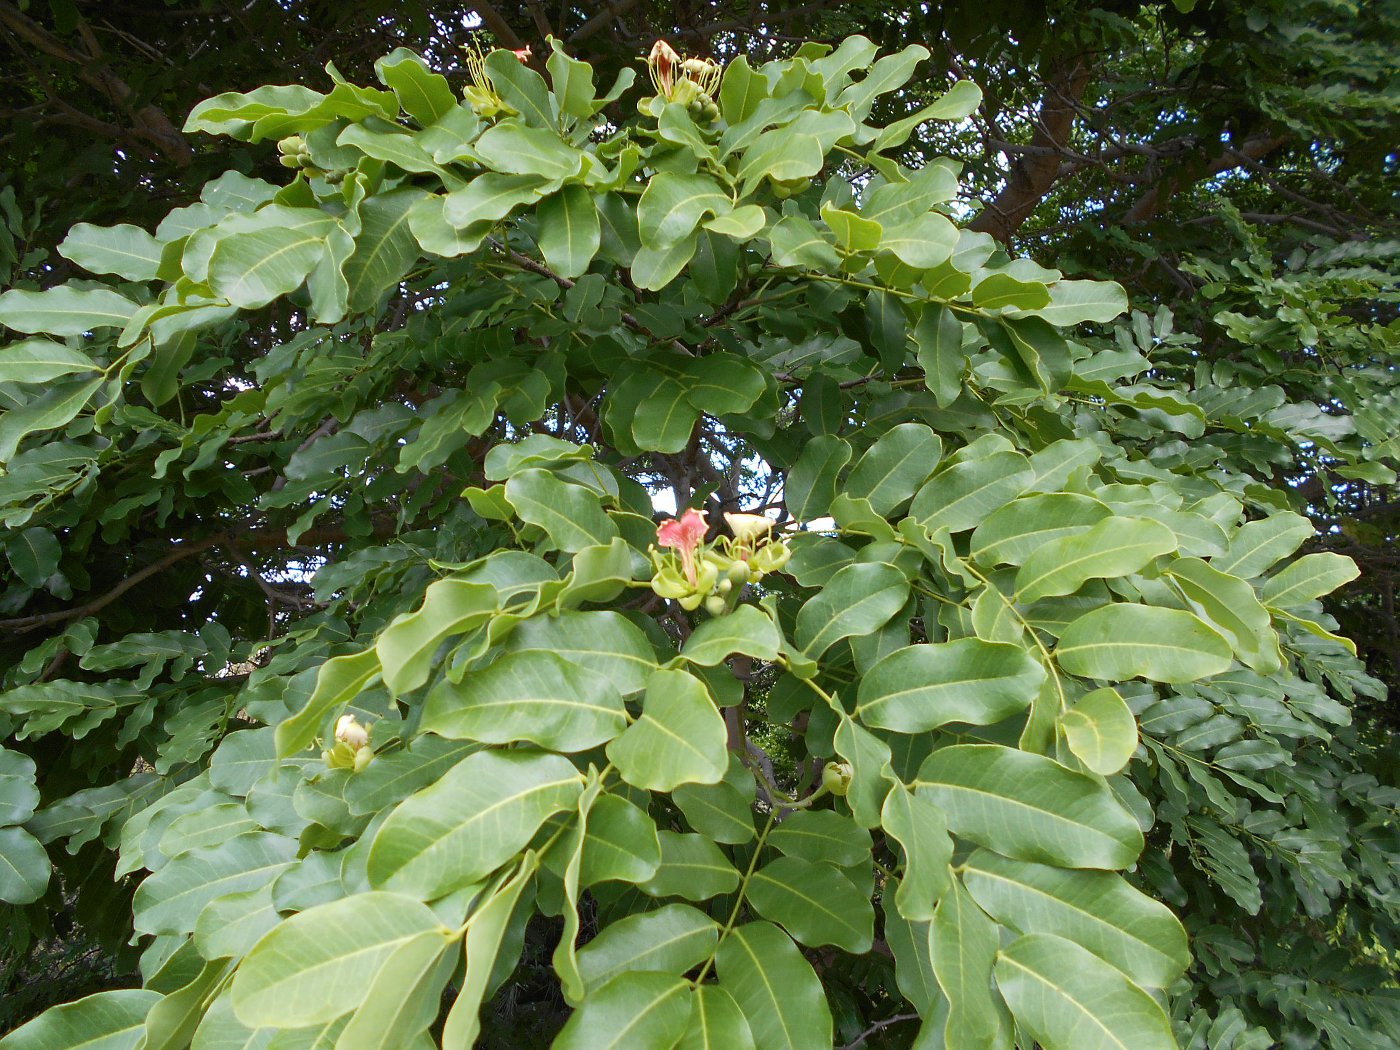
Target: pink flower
[[684, 535], [523, 54]]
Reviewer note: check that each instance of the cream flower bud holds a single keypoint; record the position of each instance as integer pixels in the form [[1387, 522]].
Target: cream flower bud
[[748, 528], [349, 731]]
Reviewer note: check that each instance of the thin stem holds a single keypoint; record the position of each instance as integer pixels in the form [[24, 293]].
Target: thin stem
[[738, 899]]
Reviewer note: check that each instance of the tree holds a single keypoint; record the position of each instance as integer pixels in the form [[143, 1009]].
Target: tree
[[339, 604]]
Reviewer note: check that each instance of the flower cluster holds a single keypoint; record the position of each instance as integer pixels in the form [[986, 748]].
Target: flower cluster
[[694, 573], [352, 749], [693, 82]]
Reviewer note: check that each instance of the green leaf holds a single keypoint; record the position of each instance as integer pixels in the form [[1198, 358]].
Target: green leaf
[[385, 249], [741, 91], [228, 926], [572, 81], [959, 101], [853, 232], [1000, 290], [868, 756], [1101, 731], [423, 95], [923, 242], [19, 796], [167, 900], [1069, 999], [1310, 577], [34, 555], [479, 815], [631, 1010], [521, 87], [490, 197], [963, 946], [319, 964], [811, 483], [1014, 532], [672, 206], [393, 777], [1229, 604], [569, 232], [1029, 807], [24, 867], [822, 836], [1073, 302], [1119, 641], [858, 600], [339, 681], [40, 360], [55, 408], [485, 931], [680, 738], [922, 830], [671, 940], [691, 867], [1115, 546], [406, 647], [746, 630], [939, 338], [515, 149], [172, 1022], [654, 268], [622, 843], [796, 242], [530, 695], [775, 987], [965, 494], [894, 467], [251, 269], [127, 251], [815, 903], [722, 811], [1257, 545], [570, 514], [664, 417], [913, 963], [106, 1021], [716, 1022], [922, 687], [219, 1030], [601, 641], [64, 310], [1097, 910]]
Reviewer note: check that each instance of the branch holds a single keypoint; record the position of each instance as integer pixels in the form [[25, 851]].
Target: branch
[[499, 27], [150, 124], [602, 20], [1035, 172], [23, 624], [1151, 203], [877, 1026]]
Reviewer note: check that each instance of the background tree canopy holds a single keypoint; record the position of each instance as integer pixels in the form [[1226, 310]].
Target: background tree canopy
[[352, 697]]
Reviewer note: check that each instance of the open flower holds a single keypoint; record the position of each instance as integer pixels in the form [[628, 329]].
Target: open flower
[[523, 53], [684, 536], [692, 82], [662, 64]]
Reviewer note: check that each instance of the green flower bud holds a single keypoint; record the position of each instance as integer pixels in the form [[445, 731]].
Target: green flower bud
[[836, 777], [715, 605]]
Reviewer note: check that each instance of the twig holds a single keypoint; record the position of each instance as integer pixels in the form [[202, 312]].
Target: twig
[[877, 1026]]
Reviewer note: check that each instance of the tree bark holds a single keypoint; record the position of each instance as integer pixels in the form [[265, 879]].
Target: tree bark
[[1034, 173]]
